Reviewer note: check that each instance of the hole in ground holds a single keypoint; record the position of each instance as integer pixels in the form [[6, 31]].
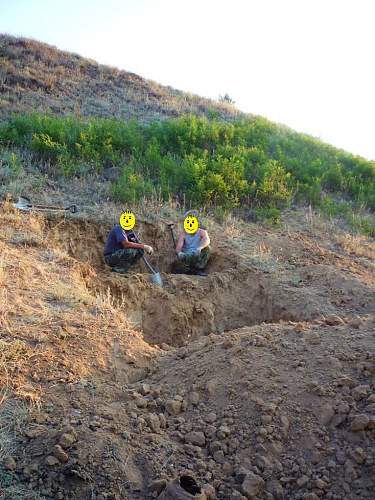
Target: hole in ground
[[230, 297], [84, 240]]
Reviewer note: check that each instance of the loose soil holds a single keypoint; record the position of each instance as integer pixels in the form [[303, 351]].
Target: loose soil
[[257, 380]]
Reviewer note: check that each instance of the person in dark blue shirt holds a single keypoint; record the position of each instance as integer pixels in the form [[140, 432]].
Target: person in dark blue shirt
[[122, 249]]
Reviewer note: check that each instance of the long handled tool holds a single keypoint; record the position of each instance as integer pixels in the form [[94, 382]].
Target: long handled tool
[[171, 226], [155, 277], [25, 204]]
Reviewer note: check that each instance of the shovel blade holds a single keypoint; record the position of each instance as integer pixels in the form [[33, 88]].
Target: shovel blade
[[156, 279]]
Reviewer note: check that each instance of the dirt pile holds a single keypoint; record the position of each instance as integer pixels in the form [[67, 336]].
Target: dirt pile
[[257, 380], [270, 411]]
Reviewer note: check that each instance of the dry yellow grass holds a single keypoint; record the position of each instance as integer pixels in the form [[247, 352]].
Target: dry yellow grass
[[51, 328], [357, 245], [35, 75]]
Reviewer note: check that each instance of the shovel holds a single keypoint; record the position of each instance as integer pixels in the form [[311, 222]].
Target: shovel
[[171, 226], [155, 277], [25, 204]]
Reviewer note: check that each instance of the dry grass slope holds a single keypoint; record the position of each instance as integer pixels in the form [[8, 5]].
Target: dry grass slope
[[47, 313], [37, 76]]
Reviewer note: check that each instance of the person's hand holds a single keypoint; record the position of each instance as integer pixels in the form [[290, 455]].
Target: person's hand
[[148, 249], [180, 255], [197, 252]]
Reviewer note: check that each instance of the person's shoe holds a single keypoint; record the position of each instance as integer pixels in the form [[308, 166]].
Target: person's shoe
[[200, 272]]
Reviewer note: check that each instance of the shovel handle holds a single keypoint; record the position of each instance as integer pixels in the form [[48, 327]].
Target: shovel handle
[[172, 233], [148, 265]]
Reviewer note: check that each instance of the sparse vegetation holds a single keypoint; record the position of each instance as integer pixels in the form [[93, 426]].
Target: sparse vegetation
[[34, 75], [249, 163]]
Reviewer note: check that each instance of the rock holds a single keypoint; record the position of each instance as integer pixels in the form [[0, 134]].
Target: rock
[[356, 322], [9, 463], [275, 447], [218, 456], [360, 422], [153, 422], [285, 424], [253, 485], [326, 414], [158, 485], [51, 460], [361, 392], [266, 419], [223, 432], [313, 338], [236, 495], [140, 401], [196, 438], [210, 418], [145, 389], [310, 496], [211, 386], [371, 424], [320, 484], [173, 406], [194, 398], [67, 440], [209, 491], [358, 455], [343, 408], [345, 382], [302, 481], [338, 420], [333, 320], [228, 343], [316, 457], [162, 420], [35, 432], [275, 488], [60, 454]]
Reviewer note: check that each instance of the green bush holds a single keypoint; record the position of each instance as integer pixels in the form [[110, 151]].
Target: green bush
[[268, 215], [249, 162], [131, 187], [10, 165]]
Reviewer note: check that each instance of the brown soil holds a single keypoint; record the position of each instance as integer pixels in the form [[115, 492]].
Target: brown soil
[[258, 380]]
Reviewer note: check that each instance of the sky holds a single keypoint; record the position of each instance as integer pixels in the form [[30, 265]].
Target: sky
[[308, 64]]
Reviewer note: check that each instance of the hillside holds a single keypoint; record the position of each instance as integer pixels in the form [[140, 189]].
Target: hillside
[[257, 380], [200, 153], [34, 75]]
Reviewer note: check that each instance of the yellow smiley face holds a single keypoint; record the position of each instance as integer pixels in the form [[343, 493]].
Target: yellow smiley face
[[191, 224], [127, 220]]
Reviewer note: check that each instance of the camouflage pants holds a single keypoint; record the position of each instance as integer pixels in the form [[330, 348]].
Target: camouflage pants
[[123, 259], [195, 261]]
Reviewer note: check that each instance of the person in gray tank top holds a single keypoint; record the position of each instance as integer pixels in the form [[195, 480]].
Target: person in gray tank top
[[193, 246]]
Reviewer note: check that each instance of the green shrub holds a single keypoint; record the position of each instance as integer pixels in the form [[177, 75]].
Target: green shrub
[[131, 187], [273, 190], [269, 215], [249, 162], [10, 165]]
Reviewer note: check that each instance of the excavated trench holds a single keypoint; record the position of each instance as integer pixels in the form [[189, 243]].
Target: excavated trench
[[187, 307]]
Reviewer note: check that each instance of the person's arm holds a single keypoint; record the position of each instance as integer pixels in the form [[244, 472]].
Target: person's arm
[[130, 244], [180, 243], [123, 239], [204, 240]]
